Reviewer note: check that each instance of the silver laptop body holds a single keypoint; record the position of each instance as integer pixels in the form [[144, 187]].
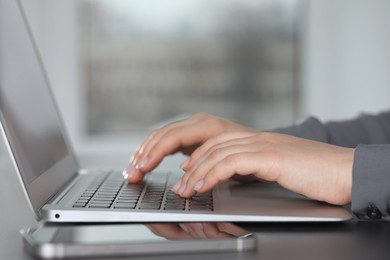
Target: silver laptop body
[[58, 190]]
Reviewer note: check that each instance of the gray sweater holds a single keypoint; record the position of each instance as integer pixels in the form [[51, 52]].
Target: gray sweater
[[370, 135]]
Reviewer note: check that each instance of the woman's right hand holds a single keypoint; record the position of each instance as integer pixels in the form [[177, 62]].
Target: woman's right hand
[[182, 136]]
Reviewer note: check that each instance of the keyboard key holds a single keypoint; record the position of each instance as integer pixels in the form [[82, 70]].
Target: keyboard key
[[129, 196], [102, 199], [79, 205], [126, 201], [125, 205], [174, 208], [149, 206], [107, 194], [99, 205]]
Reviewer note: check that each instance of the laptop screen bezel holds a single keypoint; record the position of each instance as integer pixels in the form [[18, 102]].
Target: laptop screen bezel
[[48, 183]]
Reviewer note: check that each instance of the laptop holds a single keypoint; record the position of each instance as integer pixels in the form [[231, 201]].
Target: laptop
[[59, 191]]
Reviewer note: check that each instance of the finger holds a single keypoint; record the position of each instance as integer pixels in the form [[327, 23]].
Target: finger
[[172, 141], [232, 229], [222, 138], [154, 137], [168, 231], [133, 173], [211, 231], [213, 156], [157, 135], [228, 141], [180, 187], [199, 128], [142, 157], [196, 230], [135, 157], [243, 163], [192, 180]]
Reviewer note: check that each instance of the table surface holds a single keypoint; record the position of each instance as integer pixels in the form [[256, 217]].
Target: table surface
[[350, 240]]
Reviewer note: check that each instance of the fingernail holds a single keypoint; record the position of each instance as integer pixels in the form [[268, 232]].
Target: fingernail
[[142, 163], [198, 185], [182, 188], [183, 226], [185, 163], [130, 172], [199, 226], [125, 175], [176, 187]]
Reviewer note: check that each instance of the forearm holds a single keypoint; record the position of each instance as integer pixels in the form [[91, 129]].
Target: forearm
[[370, 194]]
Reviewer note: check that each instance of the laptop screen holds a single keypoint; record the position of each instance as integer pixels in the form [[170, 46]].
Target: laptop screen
[[29, 116], [26, 105]]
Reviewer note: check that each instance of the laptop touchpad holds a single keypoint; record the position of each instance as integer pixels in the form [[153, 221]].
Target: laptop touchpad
[[261, 190]]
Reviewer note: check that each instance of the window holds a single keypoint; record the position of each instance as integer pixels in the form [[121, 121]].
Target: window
[[148, 61]]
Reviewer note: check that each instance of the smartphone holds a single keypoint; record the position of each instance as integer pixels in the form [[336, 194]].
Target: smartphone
[[67, 241]]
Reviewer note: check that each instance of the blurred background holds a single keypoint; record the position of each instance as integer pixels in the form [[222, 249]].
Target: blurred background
[[121, 67]]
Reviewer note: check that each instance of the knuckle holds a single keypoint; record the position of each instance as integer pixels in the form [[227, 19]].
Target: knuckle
[[201, 115], [231, 160], [215, 154], [267, 137], [214, 173], [215, 176], [191, 179], [172, 132], [217, 140], [185, 178], [210, 120], [154, 133], [198, 153], [222, 136], [172, 136]]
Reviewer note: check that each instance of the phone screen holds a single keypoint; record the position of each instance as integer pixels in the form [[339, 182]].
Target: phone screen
[[135, 239], [130, 233], [95, 234]]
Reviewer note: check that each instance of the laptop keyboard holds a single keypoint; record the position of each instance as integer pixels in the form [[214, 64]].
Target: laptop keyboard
[[154, 193]]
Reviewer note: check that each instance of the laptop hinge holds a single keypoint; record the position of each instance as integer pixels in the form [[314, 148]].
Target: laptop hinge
[[63, 191]]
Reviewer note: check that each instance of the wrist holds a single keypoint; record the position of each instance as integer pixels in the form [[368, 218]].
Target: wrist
[[345, 177]]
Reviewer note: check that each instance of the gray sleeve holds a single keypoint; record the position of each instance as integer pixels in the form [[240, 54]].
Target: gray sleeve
[[370, 135], [366, 129], [371, 182]]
